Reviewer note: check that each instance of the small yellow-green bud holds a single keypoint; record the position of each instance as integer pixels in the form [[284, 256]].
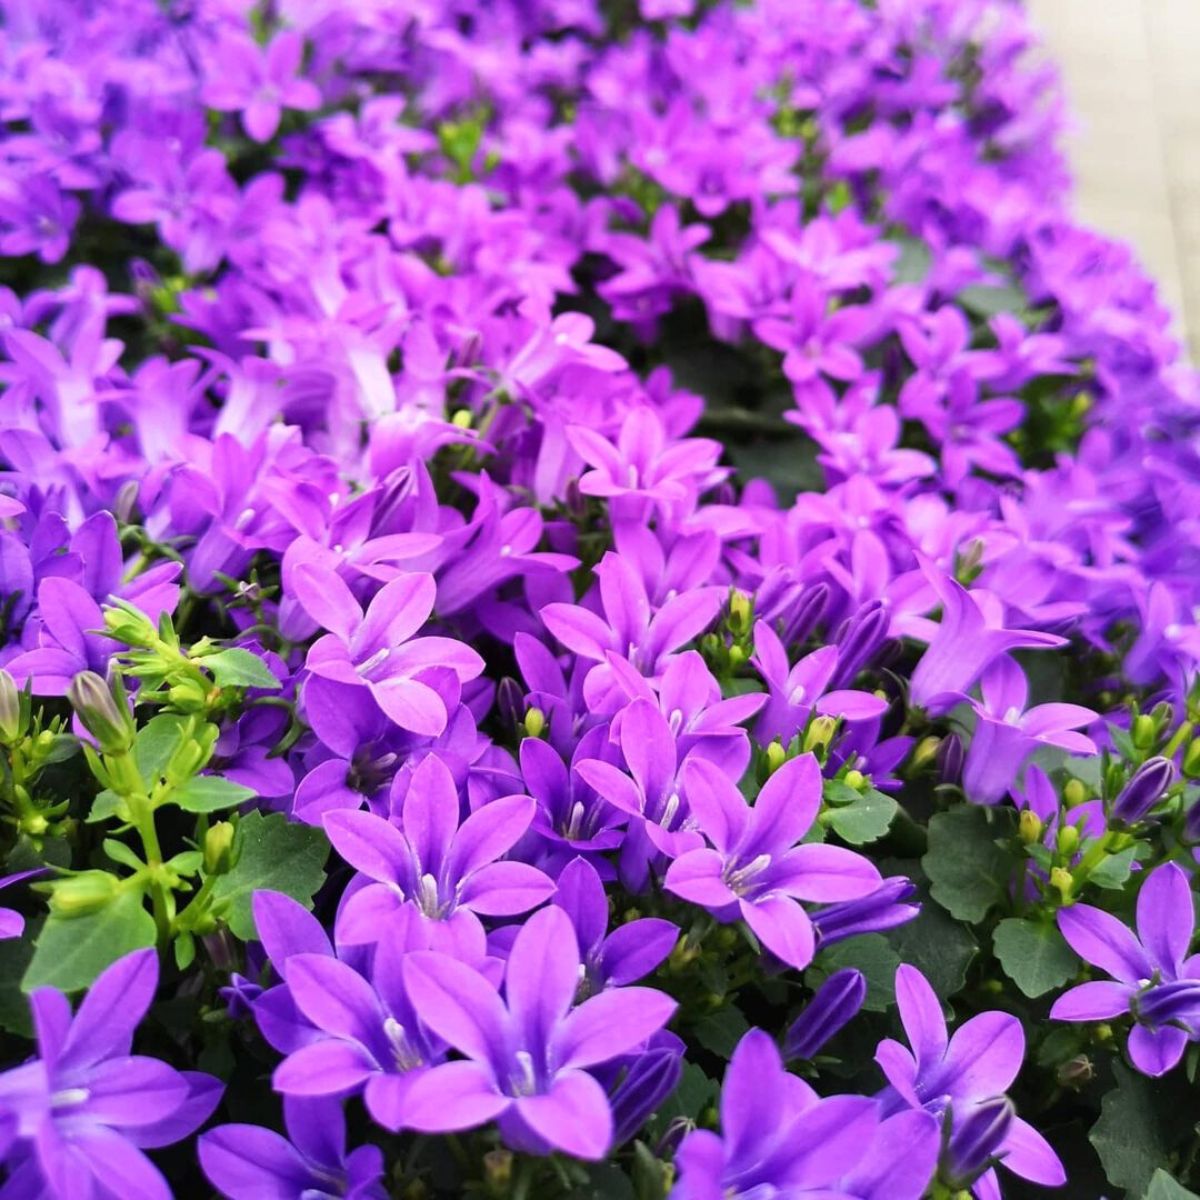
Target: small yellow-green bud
[[925, 751], [1191, 760], [855, 779], [105, 717], [776, 756], [1029, 827], [497, 1172], [1143, 731], [535, 722], [737, 655], [740, 611], [1062, 882], [131, 626], [1075, 793], [10, 709], [82, 894], [1103, 1032], [1068, 840], [819, 733], [218, 848], [463, 418]]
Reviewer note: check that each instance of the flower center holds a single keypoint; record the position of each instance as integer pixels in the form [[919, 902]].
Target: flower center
[[523, 1081], [405, 1056], [741, 879]]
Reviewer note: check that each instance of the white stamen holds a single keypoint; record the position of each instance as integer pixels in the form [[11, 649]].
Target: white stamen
[[523, 1083], [740, 879]]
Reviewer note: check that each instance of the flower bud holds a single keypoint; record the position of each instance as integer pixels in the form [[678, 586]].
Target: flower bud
[[950, 759], [84, 893], [1191, 824], [836, 1003], [535, 722], [855, 779], [1076, 1072], [1075, 793], [463, 418], [105, 717], [130, 625], [11, 724], [1143, 732], [819, 733], [1068, 840], [1029, 827], [1143, 791], [1191, 759], [218, 848], [497, 1172], [741, 611], [976, 1140], [1063, 882], [776, 756]]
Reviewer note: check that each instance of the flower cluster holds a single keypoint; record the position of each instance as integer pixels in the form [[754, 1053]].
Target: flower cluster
[[567, 571]]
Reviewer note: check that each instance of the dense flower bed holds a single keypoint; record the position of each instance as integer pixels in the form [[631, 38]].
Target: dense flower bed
[[593, 603]]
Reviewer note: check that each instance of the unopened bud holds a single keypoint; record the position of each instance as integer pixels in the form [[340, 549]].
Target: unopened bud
[[188, 697], [1062, 882], [1029, 827], [819, 734], [1143, 791], [741, 609], [130, 625], [737, 655], [855, 779], [463, 419], [925, 751], [103, 716], [1143, 732], [1191, 759], [497, 1172], [10, 709], [1068, 840], [218, 848], [776, 756], [1076, 1072], [1075, 793], [82, 894], [535, 722]]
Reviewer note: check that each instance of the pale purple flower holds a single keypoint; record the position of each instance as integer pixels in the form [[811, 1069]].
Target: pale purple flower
[[1006, 734], [79, 1116], [755, 870], [248, 1162], [954, 1075], [446, 869], [377, 649], [260, 83], [526, 1056], [1153, 978]]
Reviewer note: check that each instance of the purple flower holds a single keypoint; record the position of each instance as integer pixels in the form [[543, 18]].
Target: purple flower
[[82, 1112], [526, 1056], [955, 1075], [260, 84], [72, 639], [969, 638], [1143, 791], [1007, 734], [609, 959], [883, 909], [248, 1162], [12, 924], [754, 869], [779, 1139], [445, 870], [377, 649], [1152, 976], [797, 691]]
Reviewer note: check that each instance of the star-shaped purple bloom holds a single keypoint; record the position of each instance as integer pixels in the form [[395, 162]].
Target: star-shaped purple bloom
[[1152, 976], [248, 1162], [754, 868], [526, 1056], [377, 649], [84, 1110]]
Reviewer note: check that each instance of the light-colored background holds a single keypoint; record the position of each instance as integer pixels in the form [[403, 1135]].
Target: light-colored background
[[1132, 74]]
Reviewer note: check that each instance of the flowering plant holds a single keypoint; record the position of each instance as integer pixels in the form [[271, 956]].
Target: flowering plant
[[596, 600]]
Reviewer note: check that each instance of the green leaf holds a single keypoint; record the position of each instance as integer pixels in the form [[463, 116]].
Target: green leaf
[[1164, 1187], [1140, 1120], [1034, 955], [104, 806], [156, 741], [209, 793], [968, 872], [872, 954], [270, 852], [938, 946], [719, 1032], [693, 1095], [239, 668], [988, 301], [864, 820], [15, 955], [1112, 873], [71, 951]]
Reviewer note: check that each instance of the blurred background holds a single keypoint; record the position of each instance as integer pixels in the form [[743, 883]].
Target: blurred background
[[1132, 75]]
